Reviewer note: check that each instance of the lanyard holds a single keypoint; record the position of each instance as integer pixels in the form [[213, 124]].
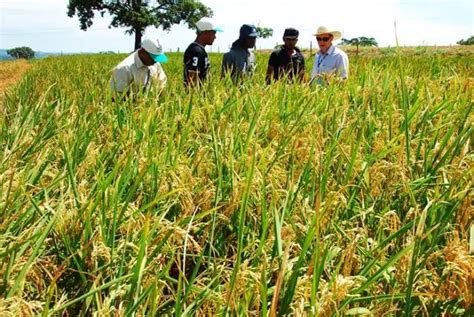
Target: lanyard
[[147, 79], [321, 60]]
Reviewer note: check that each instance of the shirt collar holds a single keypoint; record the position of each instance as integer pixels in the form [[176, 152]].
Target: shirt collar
[[284, 51], [239, 45], [138, 61], [201, 46], [330, 51]]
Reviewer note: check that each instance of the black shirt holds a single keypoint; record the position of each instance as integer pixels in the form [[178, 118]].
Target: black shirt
[[196, 60], [284, 64]]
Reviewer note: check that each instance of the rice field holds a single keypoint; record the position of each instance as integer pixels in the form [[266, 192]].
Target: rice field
[[10, 73], [254, 200]]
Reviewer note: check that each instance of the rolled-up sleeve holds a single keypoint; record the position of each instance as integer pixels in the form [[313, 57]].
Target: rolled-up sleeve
[[342, 67], [161, 78]]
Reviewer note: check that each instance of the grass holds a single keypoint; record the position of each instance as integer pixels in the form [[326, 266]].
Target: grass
[[253, 200]]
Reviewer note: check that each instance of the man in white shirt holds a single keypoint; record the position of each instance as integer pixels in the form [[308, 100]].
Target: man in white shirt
[[330, 60], [140, 71]]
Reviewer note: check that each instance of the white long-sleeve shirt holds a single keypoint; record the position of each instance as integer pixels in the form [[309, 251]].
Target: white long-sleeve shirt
[[335, 61], [132, 74]]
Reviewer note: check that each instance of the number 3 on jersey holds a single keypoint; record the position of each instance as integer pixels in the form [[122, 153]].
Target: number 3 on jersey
[[195, 61]]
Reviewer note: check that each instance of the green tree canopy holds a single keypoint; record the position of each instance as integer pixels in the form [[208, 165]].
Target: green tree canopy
[[264, 33], [469, 41], [21, 52], [360, 41], [137, 15]]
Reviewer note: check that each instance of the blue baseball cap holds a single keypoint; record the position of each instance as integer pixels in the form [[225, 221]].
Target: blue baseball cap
[[248, 30]]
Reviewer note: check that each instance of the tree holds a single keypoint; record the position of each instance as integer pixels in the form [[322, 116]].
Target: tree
[[360, 41], [137, 15], [469, 41], [264, 33], [345, 41], [21, 52]]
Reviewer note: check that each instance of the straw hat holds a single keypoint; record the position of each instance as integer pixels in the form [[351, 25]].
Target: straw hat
[[324, 30]]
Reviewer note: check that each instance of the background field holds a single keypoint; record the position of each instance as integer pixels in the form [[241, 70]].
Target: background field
[[252, 200]]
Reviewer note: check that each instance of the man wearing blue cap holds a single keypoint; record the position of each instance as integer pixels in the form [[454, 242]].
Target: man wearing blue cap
[[196, 61], [239, 62], [286, 61], [141, 70]]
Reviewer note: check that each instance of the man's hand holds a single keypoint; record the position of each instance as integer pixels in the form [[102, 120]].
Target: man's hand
[[268, 77], [193, 78]]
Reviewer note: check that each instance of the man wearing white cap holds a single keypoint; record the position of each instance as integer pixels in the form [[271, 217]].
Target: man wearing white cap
[[330, 60], [141, 70], [196, 61]]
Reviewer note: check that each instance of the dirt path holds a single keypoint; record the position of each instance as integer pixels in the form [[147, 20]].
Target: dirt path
[[11, 72]]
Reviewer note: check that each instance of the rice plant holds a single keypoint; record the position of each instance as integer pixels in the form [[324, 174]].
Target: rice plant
[[239, 200]]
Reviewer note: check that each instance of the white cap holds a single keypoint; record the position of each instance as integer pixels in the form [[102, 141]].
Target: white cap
[[154, 47], [207, 25]]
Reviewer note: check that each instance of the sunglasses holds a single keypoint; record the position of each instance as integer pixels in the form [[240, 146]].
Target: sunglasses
[[323, 39]]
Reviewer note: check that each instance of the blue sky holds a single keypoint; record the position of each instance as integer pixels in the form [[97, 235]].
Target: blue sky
[[44, 26]]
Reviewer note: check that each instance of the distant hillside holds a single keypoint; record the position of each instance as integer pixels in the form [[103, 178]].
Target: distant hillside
[[5, 56]]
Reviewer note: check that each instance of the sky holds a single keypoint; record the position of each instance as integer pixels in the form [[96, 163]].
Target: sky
[[44, 25]]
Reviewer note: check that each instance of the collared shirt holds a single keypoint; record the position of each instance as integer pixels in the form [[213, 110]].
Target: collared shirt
[[132, 74], [196, 60], [285, 64], [239, 61], [335, 61]]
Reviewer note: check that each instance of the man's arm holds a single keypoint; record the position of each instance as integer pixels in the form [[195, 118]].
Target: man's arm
[[270, 72], [301, 75], [272, 63], [120, 81], [342, 67], [193, 77], [193, 70], [192, 67], [162, 79], [252, 63], [227, 64], [301, 71], [314, 71]]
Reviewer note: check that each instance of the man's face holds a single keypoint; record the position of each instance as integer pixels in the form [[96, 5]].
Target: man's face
[[250, 42], [146, 58], [290, 42], [324, 41], [209, 37]]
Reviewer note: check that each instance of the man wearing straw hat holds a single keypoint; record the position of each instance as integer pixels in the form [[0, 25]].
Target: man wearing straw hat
[[286, 61], [196, 61], [330, 60], [141, 70]]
